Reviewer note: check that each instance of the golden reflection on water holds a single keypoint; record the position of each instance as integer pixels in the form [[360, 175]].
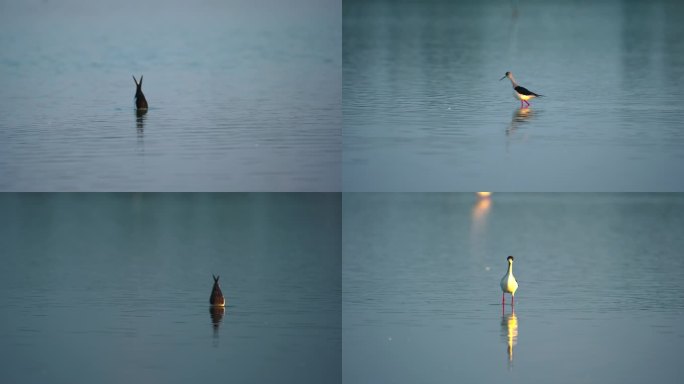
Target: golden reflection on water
[[480, 210], [478, 223], [509, 330]]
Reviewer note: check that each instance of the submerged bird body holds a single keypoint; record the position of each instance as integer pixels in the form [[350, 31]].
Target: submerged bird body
[[508, 283], [216, 299], [521, 93], [140, 101]]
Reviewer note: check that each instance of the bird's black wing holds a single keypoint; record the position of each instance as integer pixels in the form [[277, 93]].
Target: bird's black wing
[[525, 91]]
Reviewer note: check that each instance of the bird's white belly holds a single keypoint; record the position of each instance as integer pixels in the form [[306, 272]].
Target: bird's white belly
[[522, 97], [508, 284]]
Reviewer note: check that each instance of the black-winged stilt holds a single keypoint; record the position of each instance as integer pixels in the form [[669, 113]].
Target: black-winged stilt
[[508, 283], [140, 101], [216, 299], [521, 93]]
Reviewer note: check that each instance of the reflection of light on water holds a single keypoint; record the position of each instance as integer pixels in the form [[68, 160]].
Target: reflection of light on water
[[482, 206], [509, 325], [480, 211], [479, 218]]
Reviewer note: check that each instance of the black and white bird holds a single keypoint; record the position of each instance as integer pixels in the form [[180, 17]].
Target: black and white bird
[[521, 93], [508, 283]]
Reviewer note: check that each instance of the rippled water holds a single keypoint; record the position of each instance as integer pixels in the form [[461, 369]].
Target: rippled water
[[243, 95], [424, 108], [600, 296], [115, 288]]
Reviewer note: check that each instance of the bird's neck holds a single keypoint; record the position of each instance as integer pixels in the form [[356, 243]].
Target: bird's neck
[[513, 81], [510, 269]]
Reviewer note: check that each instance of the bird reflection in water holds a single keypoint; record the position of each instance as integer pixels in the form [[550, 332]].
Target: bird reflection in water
[[509, 332], [216, 317], [520, 117], [140, 121]]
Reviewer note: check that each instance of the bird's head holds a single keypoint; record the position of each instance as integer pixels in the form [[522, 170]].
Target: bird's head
[[508, 74], [510, 259]]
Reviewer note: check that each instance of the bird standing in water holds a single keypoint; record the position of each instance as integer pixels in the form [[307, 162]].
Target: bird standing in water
[[508, 283], [216, 299], [520, 93], [140, 101]]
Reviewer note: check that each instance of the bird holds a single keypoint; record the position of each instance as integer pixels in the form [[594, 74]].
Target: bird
[[521, 93], [508, 283], [216, 299], [140, 101]]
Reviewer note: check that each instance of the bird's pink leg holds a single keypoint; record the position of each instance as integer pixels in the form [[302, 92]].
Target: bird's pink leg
[[503, 298], [521, 104], [512, 300]]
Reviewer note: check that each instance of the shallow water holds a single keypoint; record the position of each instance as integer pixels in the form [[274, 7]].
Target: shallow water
[[600, 295], [115, 288], [243, 95], [424, 109]]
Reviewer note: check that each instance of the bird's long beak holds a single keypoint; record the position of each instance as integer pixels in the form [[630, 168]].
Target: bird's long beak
[[502, 78]]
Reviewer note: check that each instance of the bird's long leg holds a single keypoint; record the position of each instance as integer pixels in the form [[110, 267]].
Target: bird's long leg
[[512, 300], [503, 298], [522, 105], [527, 102]]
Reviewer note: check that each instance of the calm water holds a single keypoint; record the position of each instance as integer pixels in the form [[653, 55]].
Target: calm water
[[115, 288], [243, 95], [600, 300], [424, 110]]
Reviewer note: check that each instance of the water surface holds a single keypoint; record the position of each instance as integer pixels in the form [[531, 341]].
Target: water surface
[[424, 109], [115, 288], [243, 95], [601, 293]]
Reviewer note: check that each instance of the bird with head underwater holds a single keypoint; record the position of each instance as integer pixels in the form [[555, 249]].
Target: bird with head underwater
[[216, 298]]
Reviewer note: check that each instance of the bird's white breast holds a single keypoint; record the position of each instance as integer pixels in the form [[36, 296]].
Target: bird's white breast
[[508, 283]]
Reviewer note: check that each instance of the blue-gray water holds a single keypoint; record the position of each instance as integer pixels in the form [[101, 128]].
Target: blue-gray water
[[115, 288], [601, 294], [244, 95], [424, 109]]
